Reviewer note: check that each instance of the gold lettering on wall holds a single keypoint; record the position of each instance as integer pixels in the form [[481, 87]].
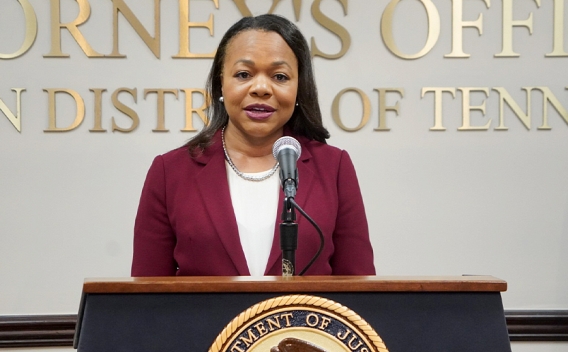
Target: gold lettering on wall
[[508, 24], [505, 97], [161, 126], [98, 126], [125, 110], [185, 28], [246, 12], [31, 31], [558, 48], [189, 109], [433, 29], [366, 109], [469, 94], [438, 95], [153, 43], [72, 27], [15, 119], [79, 103], [383, 107], [243, 8], [185, 25], [333, 27], [458, 24], [467, 108], [549, 97], [297, 4]]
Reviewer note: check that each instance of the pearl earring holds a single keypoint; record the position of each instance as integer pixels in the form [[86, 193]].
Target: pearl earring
[[297, 104], [221, 99]]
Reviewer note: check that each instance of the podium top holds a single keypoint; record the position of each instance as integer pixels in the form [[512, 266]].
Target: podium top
[[295, 284]]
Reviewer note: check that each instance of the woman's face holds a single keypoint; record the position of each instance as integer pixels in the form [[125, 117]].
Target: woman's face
[[259, 84]]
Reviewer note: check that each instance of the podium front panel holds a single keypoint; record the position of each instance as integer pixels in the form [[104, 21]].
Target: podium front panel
[[190, 322]]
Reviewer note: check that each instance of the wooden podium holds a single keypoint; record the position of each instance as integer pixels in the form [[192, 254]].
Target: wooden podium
[[410, 314]]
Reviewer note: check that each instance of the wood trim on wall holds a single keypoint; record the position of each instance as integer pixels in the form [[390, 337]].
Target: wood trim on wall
[[537, 325], [37, 330], [58, 330]]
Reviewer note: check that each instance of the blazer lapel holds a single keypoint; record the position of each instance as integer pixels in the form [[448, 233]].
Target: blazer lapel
[[214, 189], [306, 176]]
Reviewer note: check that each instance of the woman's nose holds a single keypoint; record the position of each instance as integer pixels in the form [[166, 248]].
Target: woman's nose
[[261, 86]]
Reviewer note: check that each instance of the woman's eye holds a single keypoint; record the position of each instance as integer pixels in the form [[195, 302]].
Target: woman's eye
[[242, 75], [281, 77]]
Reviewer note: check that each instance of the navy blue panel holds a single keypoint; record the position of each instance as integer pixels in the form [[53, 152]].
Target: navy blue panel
[[407, 322]]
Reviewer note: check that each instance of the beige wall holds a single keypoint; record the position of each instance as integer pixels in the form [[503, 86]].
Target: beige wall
[[446, 202]]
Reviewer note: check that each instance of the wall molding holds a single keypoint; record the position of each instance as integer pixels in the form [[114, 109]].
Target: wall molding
[[37, 330], [537, 325], [58, 330]]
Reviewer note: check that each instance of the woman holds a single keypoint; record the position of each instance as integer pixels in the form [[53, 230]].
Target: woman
[[212, 207]]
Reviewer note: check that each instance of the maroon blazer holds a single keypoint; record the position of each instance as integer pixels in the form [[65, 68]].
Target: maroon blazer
[[186, 224]]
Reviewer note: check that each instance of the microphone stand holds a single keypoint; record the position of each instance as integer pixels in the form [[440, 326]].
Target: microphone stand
[[288, 238]]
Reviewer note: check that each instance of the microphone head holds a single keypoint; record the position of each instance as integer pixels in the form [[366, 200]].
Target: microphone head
[[286, 142]]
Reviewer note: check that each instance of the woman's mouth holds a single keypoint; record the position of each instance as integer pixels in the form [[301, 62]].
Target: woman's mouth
[[259, 111]]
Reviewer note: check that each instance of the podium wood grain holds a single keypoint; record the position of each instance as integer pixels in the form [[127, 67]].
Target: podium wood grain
[[296, 284]]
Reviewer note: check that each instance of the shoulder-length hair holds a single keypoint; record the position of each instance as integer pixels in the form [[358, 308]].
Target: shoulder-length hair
[[306, 119]]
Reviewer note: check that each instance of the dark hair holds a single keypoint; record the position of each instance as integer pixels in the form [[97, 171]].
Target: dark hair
[[306, 119]]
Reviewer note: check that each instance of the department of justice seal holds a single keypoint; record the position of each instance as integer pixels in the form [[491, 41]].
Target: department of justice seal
[[298, 323]]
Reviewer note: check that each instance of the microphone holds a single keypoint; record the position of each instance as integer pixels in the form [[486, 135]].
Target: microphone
[[287, 151]]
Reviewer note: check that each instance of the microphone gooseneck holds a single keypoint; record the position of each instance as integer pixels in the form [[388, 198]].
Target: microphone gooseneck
[[287, 151]]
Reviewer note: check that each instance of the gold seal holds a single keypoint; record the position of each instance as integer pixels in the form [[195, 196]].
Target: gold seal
[[298, 323]]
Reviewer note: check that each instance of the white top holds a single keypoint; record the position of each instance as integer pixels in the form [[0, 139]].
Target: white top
[[255, 204]]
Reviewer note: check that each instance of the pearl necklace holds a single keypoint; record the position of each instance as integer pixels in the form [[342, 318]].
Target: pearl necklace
[[239, 173]]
